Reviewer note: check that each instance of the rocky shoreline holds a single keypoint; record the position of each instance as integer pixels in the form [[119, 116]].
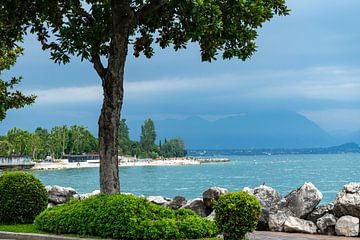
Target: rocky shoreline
[[297, 212]]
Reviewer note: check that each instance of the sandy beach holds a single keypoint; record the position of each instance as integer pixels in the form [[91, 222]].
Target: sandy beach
[[125, 163]]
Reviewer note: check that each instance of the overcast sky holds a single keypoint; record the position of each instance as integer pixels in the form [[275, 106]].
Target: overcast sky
[[308, 62]]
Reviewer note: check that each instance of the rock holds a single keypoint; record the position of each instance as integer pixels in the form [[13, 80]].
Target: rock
[[87, 195], [347, 201], [211, 217], [269, 199], [347, 226], [294, 224], [158, 200], [248, 190], [326, 224], [277, 220], [177, 202], [197, 205], [303, 200], [320, 211], [60, 195], [211, 194]]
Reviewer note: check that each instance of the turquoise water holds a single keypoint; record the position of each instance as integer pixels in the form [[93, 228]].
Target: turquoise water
[[283, 172]]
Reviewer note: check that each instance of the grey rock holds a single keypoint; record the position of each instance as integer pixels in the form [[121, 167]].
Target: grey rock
[[212, 194], [158, 200], [347, 226], [177, 202], [87, 195], [269, 199], [277, 220], [303, 200], [248, 190], [60, 195], [320, 211], [197, 205], [326, 224], [294, 224], [347, 202], [211, 217]]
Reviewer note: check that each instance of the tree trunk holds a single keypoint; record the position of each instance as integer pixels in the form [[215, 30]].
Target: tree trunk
[[112, 82]]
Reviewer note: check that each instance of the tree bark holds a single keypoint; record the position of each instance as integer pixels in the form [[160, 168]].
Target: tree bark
[[112, 82]]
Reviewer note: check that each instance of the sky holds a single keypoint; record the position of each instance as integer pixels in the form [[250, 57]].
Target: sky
[[307, 62]]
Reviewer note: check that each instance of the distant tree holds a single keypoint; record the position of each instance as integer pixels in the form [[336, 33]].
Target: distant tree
[[124, 139], [148, 137], [59, 136], [20, 141], [80, 140], [10, 98], [5, 147], [102, 30], [173, 148], [40, 143]]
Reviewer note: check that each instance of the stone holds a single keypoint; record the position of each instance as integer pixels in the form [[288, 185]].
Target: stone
[[197, 205], [60, 195], [158, 200], [347, 226], [320, 211], [326, 224], [303, 200], [347, 201], [269, 199], [212, 194], [177, 202], [277, 220], [248, 190], [211, 217], [87, 195], [297, 225]]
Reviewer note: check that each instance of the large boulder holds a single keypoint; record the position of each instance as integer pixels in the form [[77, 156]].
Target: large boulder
[[60, 195], [297, 225], [303, 200], [347, 202], [347, 226], [277, 220], [177, 202], [326, 224], [320, 211], [158, 200], [197, 205], [212, 194], [269, 199]]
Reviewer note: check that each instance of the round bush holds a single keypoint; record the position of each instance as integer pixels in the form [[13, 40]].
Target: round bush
[[237, 214], [22, 197], [124, 217]]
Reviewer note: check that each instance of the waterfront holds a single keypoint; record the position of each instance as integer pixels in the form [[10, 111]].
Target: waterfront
[[283, 172]]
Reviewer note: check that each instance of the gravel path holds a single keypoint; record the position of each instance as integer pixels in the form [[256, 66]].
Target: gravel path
[[291, 236]]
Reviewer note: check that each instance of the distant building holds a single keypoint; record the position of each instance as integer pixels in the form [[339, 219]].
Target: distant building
[[81, 158]]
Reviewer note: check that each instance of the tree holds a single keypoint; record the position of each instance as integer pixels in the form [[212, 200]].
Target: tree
[[80, 140], [9, 98], [20, 141], [59, 140], [173, 148], [148, 137], [100, 31], [124, 139]]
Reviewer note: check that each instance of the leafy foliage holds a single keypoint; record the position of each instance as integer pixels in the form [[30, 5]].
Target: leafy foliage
[[10, 98], [173, 148], [237, 213], [22, 197], [148, 137], [123, 217]]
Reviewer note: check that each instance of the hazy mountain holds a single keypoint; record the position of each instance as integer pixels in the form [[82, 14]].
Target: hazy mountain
[[253, 130]]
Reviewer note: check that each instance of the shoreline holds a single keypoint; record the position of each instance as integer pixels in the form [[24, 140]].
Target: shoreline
[[128, 163]]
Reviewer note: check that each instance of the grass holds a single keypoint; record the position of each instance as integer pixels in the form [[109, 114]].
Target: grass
[[30, 228]]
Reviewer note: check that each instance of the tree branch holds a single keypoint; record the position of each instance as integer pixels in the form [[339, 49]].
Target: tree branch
[[149, 9], [99, 67]]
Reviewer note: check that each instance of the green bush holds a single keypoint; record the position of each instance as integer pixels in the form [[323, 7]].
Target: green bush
[[22, 197], [124, 217], [237, 214]]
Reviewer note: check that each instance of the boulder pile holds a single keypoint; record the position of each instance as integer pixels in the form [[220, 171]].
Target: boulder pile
[[297, 212]]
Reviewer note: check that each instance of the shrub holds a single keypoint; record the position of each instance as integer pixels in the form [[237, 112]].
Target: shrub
[[22, 197], [123, 217], [236, 214]]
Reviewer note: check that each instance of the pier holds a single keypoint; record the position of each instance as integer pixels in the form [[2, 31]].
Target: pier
[[15, 163]]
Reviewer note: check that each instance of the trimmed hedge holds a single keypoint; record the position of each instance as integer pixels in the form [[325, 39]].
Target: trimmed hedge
[[124, 217], [237, 213], [22, 197]]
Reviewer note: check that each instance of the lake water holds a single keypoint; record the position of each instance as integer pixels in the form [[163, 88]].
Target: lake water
[[283, 172]]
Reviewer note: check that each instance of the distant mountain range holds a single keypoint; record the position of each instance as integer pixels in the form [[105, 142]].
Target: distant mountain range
[[257, 130]]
